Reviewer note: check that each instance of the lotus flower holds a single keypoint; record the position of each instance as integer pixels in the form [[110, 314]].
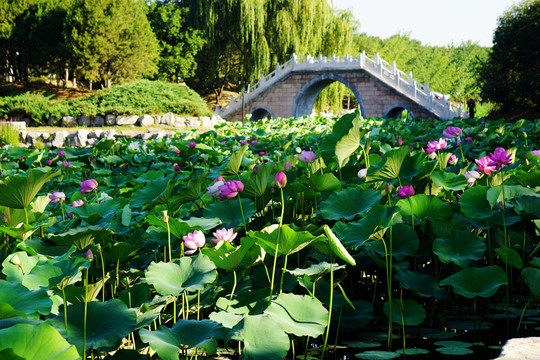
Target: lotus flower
[[280, 179], [287, 165], [307, 156], [88, 186], [176, 167], [61, 153], [452, 160], [484, 165], [535, 152], [88, 255], [57, 197], [362, 173], [224, 235], [500, 157], [436, 145], [77, 203], [471, 177], [213, 190], [231, 188], [405, 191], [192, 144], [194, 241], [452, 132]]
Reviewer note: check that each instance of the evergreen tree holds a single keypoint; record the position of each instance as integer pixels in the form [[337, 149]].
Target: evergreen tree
[[178, 43], [112, 40], [512, 74]]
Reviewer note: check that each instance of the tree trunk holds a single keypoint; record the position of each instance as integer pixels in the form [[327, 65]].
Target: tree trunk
[[66, 79], [74, 80], [91, 83]]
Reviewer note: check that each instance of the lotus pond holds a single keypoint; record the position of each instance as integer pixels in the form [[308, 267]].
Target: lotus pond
[[291, 238]]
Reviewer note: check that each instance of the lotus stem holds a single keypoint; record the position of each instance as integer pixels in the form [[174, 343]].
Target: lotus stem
[[389, 289], [232, 293], [242, 213], [283, 275], [65, 308], [102, 271], [329, 307], [85, 312]]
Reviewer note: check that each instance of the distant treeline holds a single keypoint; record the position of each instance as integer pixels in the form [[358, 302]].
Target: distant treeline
[[214, 45]]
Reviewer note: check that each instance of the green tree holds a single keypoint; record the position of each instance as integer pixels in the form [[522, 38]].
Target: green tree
[[179, 43], [112, 40], [512, 74]]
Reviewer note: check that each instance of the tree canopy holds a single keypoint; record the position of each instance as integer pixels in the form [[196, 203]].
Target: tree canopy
[[512, 74]]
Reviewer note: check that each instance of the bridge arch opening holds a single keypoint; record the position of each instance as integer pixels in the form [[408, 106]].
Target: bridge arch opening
[[261, 112], [399, 111], [306, 97]]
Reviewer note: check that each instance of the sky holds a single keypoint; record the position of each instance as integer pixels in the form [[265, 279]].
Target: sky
[[432, 22]]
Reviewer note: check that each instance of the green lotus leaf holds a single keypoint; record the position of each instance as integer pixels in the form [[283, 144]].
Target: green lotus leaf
[[372, 226], [532, 279], [461, 248], [377, 355], [290, 241], [228, 211], [21, 299], [120, 251], [36, 342], [425, 206], [187, 274], [300, 315], [423, 284], [191, 192], [471, 282], [257, 184], [325, 182], [474, 203], [18, 264], [411, 312], [346, 204], [18, 191], [449, 181], [510, 257], [263, 339], [81, 237], [228, 256], [154, 193], [527, 204], [107, 324], [404, 243], [497, 194], [344, 139], [334, 246], [185, 334], [315, 271], [233, 166], [92, 213], [390, 166]]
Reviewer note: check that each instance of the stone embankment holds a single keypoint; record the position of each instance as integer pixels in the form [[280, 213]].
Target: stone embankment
[[88, 136]]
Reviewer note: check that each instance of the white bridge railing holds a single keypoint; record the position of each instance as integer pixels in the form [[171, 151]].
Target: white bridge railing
[[388, 73]]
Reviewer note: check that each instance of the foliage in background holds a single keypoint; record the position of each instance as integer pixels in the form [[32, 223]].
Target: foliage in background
[[178, 43], [8, 135], [136, 98], [512, 74], [450, 70]]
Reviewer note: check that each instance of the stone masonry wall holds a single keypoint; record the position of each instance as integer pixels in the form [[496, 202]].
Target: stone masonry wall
[[376, 95]]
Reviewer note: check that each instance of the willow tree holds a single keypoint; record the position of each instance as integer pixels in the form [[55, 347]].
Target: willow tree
[[247, 38]]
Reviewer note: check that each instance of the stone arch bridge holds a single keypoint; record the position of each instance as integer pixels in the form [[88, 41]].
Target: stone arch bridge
[[381, 89]]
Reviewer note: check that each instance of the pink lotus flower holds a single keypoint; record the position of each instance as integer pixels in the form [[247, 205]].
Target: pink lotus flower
[[535, 152], [388, 188], [452, 132], [254, 142], [176, 167], [192, 144], [66, 163], [468, 138], [484, 165], [88, 186], [88, 255], [307, 156], [194, 241], [243, 142], [77, 203], [452, 160], [49, 162], [500, 157], [61, 153], [280, 179], [224, 235], [436, 145], [399, 142], [57, 197], [231, 188], [94, 160], [405, 191], [177, 151], [262, 153], [287, 165]]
